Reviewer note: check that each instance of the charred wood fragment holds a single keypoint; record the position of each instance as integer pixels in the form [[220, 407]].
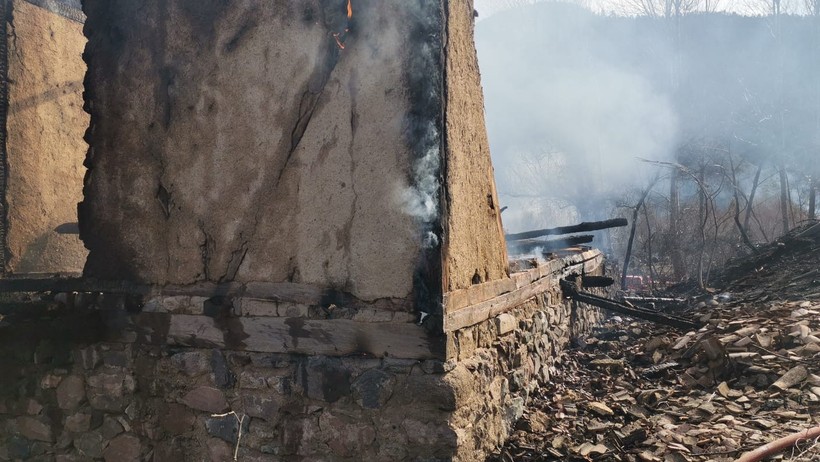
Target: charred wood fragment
[[657, 300], [583, 281], [579, 228], [597, 281], [570, 290]]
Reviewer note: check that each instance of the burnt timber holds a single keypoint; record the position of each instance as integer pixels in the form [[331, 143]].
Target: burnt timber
[[579, 228], [571, 291]]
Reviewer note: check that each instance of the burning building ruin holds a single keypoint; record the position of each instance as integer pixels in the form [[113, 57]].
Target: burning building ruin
[[295, 245]]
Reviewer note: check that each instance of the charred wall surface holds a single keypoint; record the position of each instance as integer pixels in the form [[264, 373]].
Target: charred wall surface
[[44, 127], [254, 141]]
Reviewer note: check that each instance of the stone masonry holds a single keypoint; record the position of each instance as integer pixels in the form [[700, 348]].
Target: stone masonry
[[97, 393]]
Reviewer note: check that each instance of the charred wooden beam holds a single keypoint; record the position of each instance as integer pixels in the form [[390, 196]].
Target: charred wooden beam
[[596, 281], [579, 228], [570, 290], [70, 284], [306, 294], [656, 300], [531, 245]]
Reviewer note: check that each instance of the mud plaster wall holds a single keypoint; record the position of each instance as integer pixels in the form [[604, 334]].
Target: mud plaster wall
[[96, 392], [474, 251], [238, 141], [45, 147]]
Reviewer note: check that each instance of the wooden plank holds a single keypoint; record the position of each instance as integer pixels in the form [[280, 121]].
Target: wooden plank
[[478, 293], [483, 311], [546, 276], [332, 337]]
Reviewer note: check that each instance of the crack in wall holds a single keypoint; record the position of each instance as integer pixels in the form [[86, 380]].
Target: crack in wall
[[354, 126], [7, 18], [308, 104]]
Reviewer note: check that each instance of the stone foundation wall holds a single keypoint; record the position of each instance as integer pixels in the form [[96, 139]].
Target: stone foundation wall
[[81, 386]]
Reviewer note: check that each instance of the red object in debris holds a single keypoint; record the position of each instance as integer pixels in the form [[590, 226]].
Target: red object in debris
[[634, 282]]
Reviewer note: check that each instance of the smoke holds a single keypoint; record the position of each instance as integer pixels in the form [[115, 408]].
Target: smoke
[[568, 115], [420, 198]]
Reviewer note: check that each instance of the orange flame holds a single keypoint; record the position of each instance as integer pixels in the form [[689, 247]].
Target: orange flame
[[338, 41], [349, 9]]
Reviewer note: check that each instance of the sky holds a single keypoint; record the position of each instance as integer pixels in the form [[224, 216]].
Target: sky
[[569, 95], [487, 8]]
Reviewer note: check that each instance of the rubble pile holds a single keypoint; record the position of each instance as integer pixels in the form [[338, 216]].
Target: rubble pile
[[636, 391]]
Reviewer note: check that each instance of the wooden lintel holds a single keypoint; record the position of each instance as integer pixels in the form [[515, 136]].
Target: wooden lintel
[[332, 337], [527, 285], [305, 294]]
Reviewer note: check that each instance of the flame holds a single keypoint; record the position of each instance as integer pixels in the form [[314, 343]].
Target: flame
[[338, 41], [340, 36]]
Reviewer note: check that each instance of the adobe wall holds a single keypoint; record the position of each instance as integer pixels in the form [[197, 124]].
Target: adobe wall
[[474, 250], [107, 392], [290, 143], [244, 143], [44, 145]]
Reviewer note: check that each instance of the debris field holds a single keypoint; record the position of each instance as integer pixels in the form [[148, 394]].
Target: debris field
[[637, 391]]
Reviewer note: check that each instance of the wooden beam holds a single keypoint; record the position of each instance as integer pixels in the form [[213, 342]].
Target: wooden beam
[[331, 337], [528, 284], [579, 228], [571, 291], [305, 294]]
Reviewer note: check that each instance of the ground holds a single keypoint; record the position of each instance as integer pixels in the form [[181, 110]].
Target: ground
[[636, 391]]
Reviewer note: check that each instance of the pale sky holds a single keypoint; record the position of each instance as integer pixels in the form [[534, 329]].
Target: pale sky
[[487, 8]]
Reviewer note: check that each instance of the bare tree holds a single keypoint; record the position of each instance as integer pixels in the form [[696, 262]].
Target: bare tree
[[635, 211]]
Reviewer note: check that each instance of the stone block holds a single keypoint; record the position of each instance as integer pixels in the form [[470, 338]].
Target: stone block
[[34, 429], [206, 399], [170, 451], [226, 427], [466, 343], [373, 388], [191, 363], [221, 373], [253, 307], [18, 448], [88, 357], [115, 359], [262, 405], [78, 423], [177, 419], [33, 407], [110, 427], [50, 381], [251, 379], [123, 448], [104, 402], [219, 450], [70, 392], [90, 444], [505, 323], [326, 379], [113, 384]]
